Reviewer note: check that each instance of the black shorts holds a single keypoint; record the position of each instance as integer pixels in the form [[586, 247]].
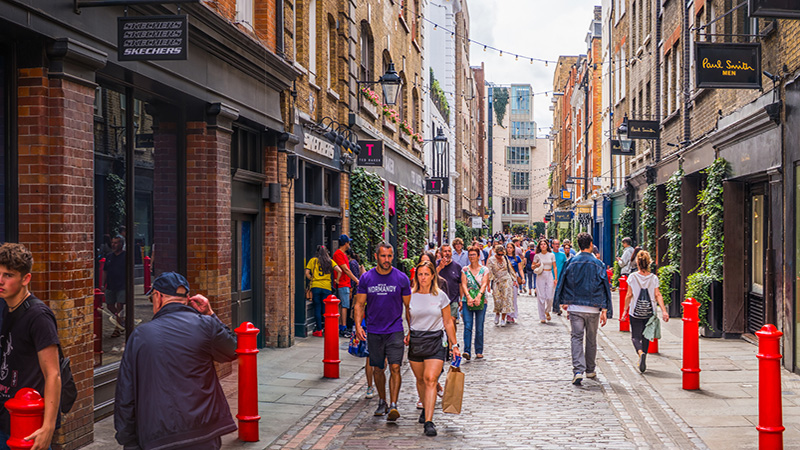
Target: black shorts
[[426, 345], [385, 347]]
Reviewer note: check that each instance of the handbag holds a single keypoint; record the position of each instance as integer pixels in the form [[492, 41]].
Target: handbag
[[539, 270], [652, 330], [309, 295], [424, 344]]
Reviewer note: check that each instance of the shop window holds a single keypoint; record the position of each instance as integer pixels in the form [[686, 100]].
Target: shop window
[[331, 194], [4, 143], [313, 184], [246, 149], [154, 237], [757, 245], [797, 264], [519, 206]]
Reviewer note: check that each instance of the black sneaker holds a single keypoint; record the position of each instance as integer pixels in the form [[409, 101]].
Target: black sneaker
[[394, 414], [642, 362], [422, 416], [383, 408], [577, 379], [345, 334], [430, 429]]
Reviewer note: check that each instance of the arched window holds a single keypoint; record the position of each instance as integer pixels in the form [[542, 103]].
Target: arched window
[[332, 56], [367, 53], [402, 102], [415, 111], [312, 40]]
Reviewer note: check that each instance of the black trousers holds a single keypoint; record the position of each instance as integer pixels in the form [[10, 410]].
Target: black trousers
[[637, 330]]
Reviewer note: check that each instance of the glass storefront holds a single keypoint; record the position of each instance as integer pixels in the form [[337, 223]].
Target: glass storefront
[[797, 266], [155, 207], [757, 245]]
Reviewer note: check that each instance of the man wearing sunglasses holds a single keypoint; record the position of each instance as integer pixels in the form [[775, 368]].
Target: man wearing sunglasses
[[168, 393]]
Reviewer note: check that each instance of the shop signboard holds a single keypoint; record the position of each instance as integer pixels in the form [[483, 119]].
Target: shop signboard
[[623, 147], [784, 9], [477, 222], [371, 154], [563, 216], [436, 185], [151, 38], [642, 129], [566, 195], [728, 65]]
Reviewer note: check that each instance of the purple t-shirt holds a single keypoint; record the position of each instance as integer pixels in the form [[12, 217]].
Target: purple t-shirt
[[384, 312]]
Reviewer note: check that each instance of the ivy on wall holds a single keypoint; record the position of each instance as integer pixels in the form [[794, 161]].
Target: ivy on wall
[[626, 225], [367, 221], [500, 103], [115, 191], [648, 219], [411, 224], [465, 232], [552, 229], [673, 235], [709, 207]]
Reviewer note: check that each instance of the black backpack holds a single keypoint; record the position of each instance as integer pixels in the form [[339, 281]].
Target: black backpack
[[69, 392]]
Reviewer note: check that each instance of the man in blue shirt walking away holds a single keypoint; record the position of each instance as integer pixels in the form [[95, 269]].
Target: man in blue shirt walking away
[[584, 292]]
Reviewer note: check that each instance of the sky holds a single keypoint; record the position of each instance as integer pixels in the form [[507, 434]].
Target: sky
[[543, 29]]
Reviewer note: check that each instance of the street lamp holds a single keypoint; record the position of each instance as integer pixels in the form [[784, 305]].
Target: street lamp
[[622, 131], [390, 82], [440, 142], [479, 200]]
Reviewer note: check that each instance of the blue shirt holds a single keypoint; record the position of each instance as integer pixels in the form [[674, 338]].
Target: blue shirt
[[561, 258]]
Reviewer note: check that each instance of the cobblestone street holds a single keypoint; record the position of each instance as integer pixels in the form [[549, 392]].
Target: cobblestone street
[[519, 396]]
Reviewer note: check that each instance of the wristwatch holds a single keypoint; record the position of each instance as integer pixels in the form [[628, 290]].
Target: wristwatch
[[455, 345]]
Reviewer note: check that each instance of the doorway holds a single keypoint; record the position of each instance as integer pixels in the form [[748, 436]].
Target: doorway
[[758, 226], [243, 257]]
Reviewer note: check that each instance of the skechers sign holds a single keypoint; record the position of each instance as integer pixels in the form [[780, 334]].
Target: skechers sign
[[728, 66], [147, 38], [371, 153]]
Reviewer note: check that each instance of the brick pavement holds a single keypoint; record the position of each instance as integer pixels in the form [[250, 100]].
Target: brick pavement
[[519, 396]]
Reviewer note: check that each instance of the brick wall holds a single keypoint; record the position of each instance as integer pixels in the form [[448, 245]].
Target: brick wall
[[165, 199], [56, 162], [208, 210]]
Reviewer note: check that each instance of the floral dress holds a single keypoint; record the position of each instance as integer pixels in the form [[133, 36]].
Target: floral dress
[[502, 292]]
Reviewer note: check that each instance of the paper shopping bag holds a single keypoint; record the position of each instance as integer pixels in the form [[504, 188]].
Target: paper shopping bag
[[453, 391]]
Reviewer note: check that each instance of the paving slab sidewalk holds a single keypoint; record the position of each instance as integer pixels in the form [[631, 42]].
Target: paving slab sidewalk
[[290, 384], [724, 411]]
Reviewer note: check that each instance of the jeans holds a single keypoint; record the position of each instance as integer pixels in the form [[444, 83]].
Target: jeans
[[531, 278], [637, 329], [317, 296], [584, 324], [476, 317], [4, 437]]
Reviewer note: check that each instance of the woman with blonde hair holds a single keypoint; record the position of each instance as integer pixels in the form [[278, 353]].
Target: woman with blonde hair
[[504, 278], [641, 303], [429, 317]]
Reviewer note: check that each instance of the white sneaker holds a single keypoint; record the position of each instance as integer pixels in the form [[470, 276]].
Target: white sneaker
[[370, 392], [496, 319], [502, 323], [591, 374]]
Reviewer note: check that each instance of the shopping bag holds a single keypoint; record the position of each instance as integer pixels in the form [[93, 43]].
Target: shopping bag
[[653, 328], [453, 391], [356, 347]]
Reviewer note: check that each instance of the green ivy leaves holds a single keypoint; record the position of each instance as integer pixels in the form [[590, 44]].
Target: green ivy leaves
[[367, 221], [648, 219], [500, 103], [411, 224], [673, 235]]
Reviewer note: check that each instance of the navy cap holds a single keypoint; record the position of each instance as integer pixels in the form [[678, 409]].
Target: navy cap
[[168, 283], [344, 239]]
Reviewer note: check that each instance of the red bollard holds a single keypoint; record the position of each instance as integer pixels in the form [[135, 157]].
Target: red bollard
[[26, 410], [770, 412], [246, 348], [624, 325], [691, 345], [147, 274], [331, 359], [653, 346]]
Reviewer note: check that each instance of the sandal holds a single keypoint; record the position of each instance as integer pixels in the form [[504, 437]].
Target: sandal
[[439, 390], [479, 356], [116, 333], [466, 356]]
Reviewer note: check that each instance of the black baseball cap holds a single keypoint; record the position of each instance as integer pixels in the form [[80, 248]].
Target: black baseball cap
[[168, 283]]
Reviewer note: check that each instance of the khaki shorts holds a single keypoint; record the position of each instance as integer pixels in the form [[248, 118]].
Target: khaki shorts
[[454, 309]]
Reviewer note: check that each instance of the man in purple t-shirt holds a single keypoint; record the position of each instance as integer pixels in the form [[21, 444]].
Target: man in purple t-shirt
[[384, 290]]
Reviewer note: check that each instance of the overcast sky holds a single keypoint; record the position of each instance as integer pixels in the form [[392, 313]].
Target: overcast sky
[[541, 29]]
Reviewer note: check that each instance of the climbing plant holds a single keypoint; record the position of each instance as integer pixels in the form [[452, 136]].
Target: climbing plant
[[367, 221], [115, 191], [411, 224], [465, 232], [500, 103], [648, 218], [626, 218], [709, 208], [673, 235], [552, 230], [537, 230]]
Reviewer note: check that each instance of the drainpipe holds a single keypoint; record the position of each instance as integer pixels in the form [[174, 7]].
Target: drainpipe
[[687, 125]]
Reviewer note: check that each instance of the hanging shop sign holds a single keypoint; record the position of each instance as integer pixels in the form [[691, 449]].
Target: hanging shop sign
[[566, 195], [623, 147], [563, 216], [436, 185], [150, 38], [371, 154], [642, 129], [477, 222], [728, 66], [784, 9]]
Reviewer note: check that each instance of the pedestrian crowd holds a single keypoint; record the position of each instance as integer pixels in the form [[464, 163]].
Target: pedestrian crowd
[[168, 394]]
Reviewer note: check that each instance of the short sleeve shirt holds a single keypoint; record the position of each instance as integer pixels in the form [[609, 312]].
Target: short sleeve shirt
[[452, 274], [426, 311], [318, 278], [341, 259], [384, 311], [25, 333]]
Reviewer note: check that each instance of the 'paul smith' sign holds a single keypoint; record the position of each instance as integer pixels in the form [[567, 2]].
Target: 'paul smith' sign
[[146, 38], [642, 129], [787, 9], [728, 66]]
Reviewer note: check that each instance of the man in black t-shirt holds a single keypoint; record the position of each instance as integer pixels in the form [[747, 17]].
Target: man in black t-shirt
[[115, 283], [450, 271], [28, 345]]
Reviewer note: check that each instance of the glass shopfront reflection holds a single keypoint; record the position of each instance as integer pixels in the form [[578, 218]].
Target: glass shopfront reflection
[[154, 240]]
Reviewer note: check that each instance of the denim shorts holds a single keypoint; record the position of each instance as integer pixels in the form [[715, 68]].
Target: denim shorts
[[343, 293]]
